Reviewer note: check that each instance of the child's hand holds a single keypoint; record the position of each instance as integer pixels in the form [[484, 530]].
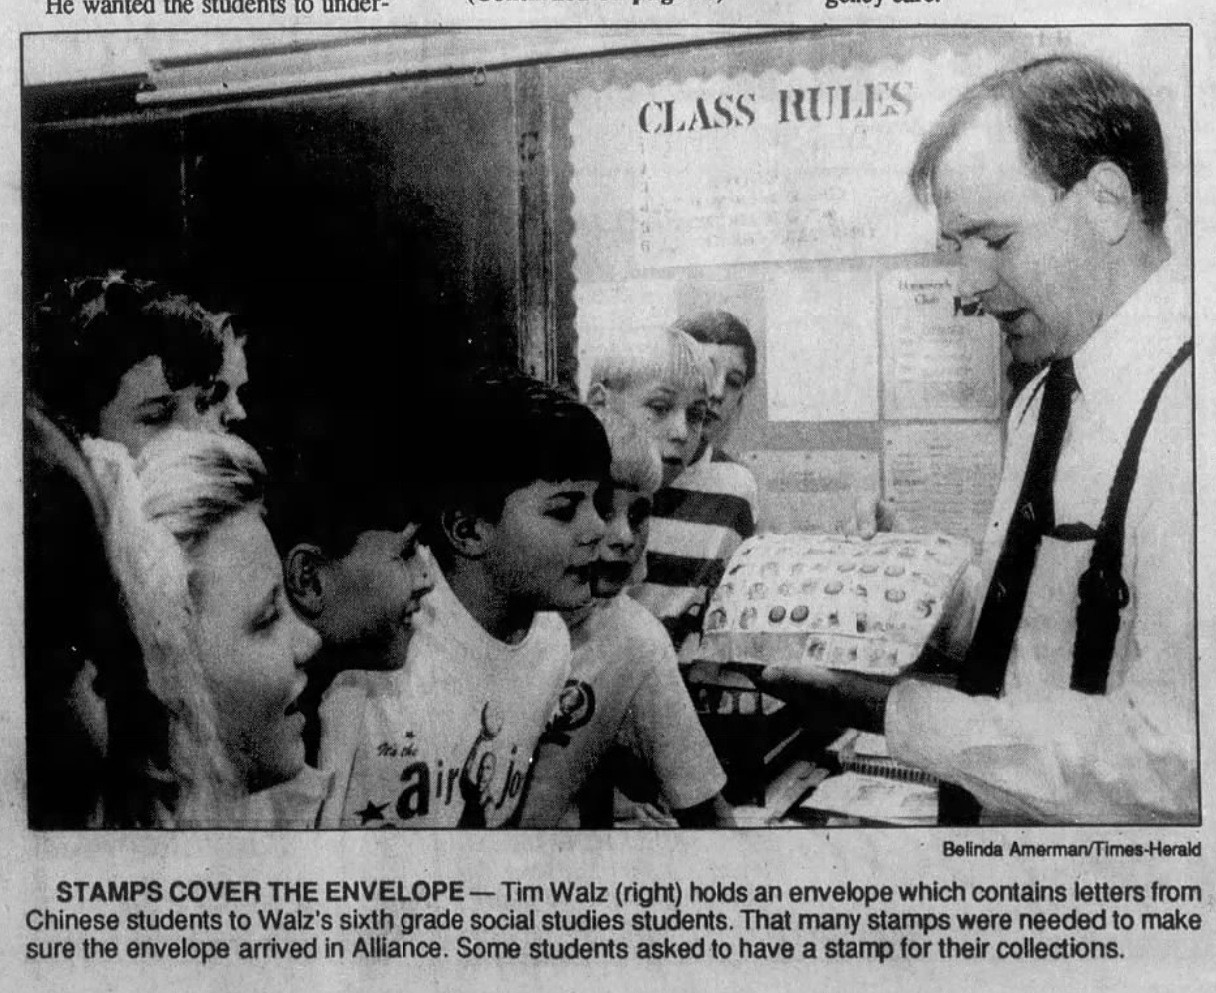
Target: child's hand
[[871, 515], [886, 518]]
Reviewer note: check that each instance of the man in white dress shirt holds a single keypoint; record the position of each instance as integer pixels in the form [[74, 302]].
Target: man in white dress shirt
[[1049, 181]]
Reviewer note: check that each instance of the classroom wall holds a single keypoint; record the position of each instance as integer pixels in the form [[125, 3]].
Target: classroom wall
[[943, 462], [374, 233]]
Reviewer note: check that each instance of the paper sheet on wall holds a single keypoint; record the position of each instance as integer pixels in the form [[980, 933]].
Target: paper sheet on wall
[[942, 477], [610, 312], [823, 347], [938, 362], [806, 164], [811, 491]]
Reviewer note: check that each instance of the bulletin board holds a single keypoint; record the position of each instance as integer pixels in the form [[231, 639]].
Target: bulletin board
[[767, 177]]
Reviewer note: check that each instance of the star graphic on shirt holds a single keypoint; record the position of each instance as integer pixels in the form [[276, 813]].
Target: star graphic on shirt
[[372, 812]]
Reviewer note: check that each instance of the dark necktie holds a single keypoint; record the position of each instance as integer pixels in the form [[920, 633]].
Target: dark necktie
[[983, 672], [1034, 515]]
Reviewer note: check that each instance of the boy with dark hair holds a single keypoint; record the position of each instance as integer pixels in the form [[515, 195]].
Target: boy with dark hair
[[348, 519], [624, 690], [124, 359], [227, 404], [447, 740], [731, 351]]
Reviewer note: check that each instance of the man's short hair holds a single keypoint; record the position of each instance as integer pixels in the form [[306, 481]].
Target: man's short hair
[[720, 327], [87, 333], [499, 431], [1072, 112], [668, 355]]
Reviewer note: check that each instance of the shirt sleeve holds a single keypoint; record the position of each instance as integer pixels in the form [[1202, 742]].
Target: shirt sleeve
[[547, 797], [292, 805], [341, 713], [662, 729], [959, 613], [1057, 755]]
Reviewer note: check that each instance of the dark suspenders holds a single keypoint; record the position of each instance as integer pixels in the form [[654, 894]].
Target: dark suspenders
[[1101, 590]]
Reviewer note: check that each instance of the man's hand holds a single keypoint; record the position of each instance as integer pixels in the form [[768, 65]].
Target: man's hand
[[825, 697]]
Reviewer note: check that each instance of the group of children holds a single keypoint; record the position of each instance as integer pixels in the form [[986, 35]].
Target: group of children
[[359, 642]]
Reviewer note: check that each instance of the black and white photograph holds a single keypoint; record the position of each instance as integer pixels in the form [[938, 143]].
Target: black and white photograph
[[409, 425], [694, 452]]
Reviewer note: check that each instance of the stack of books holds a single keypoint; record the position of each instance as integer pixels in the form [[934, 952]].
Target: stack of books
[[872, 787]]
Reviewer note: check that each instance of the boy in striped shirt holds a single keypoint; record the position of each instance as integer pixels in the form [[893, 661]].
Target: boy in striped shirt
[[688, 396]]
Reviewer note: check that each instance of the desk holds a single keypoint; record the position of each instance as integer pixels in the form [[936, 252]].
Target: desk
[[776, 755]]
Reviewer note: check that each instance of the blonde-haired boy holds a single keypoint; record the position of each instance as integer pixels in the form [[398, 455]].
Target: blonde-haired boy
[[659, 378], [663, 380]]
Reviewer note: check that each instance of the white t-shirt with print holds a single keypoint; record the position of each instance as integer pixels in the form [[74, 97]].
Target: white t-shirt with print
[[624, 690], [447, 740]]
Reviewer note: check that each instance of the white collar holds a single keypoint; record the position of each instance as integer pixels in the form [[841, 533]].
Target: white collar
[[1139, 338]]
